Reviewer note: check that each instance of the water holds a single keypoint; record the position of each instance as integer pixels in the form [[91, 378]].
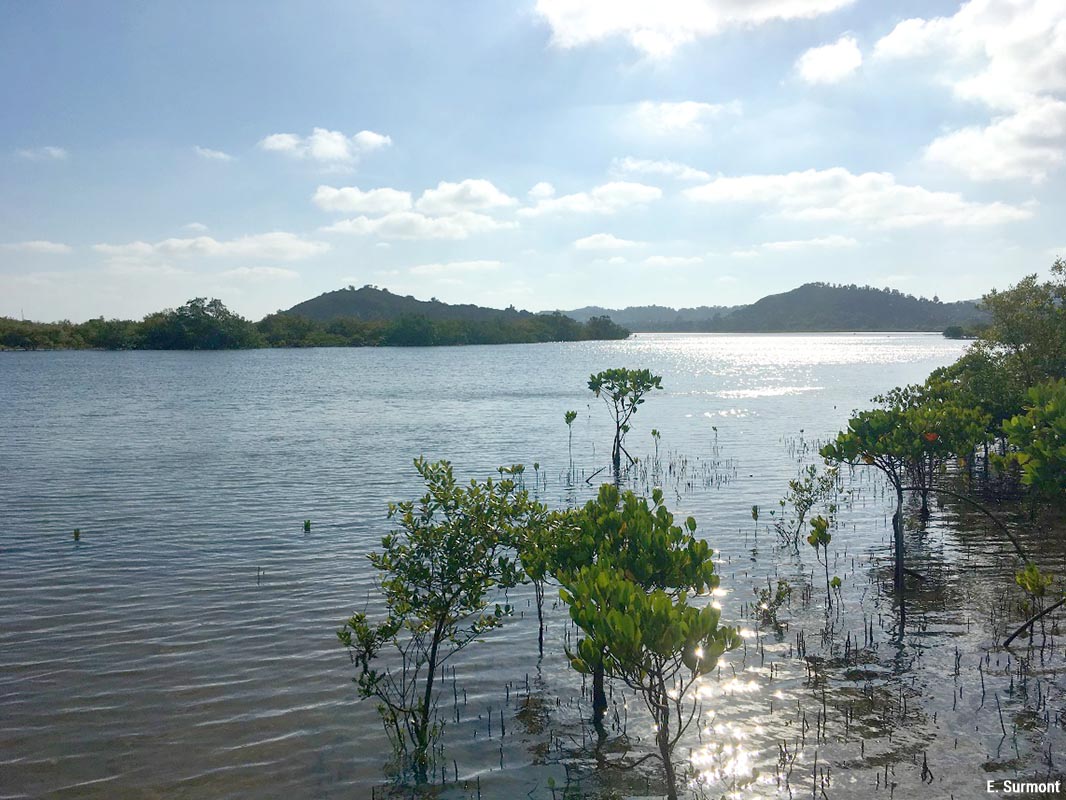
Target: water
[[186, 647]]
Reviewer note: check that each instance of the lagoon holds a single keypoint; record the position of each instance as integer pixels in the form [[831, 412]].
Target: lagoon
[[185, 646]]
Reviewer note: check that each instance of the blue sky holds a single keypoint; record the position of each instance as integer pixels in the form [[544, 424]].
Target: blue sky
[[545, 153]]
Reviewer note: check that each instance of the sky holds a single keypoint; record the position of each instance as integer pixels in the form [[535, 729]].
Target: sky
[[548, 154]]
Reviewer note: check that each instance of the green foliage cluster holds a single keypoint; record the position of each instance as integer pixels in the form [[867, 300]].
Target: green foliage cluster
[[1038, 440], [1032, 581], [438, 572], [768, 601], [813, 488], [208, 325], [199, 324], [290, 330], [628, 574], [911, 437], [1007, 390], [971, 331]]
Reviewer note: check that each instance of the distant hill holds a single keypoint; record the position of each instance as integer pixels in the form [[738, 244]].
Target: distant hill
[[650, 317], [811, 307], [371, 304]]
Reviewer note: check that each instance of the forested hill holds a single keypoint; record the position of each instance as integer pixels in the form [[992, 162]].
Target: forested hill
[[811, 307], [373, 304]]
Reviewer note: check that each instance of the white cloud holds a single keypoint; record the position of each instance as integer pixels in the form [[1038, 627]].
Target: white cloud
[[138, 269], [872, 198], [279, 246], [328, 148], [46, 153], [354, 199], [834, 241], [604, 241], [830, 63], [40, 246], [368, 141], [605, 199], [657, 29], [267, 273], [130, 250], [672, 261], [670, 169], [1010, 57], [413, 225], [686, 116], [212, 155], [197, 227], [541, 191], [1026, 144], [473, 194], [454, 267]]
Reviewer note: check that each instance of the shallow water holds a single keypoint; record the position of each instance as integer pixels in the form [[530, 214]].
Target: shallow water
[[185, 647]]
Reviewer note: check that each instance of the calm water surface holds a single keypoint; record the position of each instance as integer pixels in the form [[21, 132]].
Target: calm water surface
[[186, 647]]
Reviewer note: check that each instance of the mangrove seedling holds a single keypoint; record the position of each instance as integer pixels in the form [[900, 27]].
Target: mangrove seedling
[[622, 531], [437, 573], [655, 642], [538, 537], [1035, 584], [569, 418], [623, 390], [811, 488], [77, 534], [307, 526], [820, 537], [769, 601]]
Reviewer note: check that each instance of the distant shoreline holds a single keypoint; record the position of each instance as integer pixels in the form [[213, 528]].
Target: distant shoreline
[[634, 334]]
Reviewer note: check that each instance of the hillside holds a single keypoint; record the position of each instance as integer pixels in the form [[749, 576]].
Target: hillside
[[811, 307], [650, 317], [371, 304]]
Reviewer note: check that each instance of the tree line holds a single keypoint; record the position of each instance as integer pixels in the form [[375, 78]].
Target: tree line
[[990, 426], [202, 324]]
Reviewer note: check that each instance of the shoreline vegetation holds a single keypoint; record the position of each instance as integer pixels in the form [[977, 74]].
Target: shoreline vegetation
[[202, 324], [986, 430]]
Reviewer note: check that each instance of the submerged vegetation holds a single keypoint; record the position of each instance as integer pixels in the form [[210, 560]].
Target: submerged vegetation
[[202, 324]]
